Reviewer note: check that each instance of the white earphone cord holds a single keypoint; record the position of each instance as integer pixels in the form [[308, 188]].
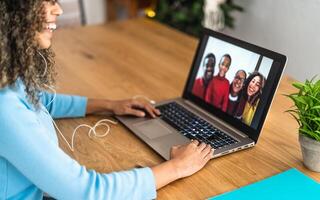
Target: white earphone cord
[[45, 62], [92, 129]]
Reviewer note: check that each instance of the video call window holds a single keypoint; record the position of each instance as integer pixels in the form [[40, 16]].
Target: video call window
[[231, 79]]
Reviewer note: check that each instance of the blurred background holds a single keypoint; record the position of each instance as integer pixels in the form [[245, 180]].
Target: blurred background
[[290, 27]]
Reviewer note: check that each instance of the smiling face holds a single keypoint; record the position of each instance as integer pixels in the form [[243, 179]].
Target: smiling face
[[254, 86], [237, 82], [51, 10], [209, 69], [224, 66]]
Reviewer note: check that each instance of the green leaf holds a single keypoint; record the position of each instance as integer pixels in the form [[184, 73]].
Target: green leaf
[[296, 118], [317, 83], [315, 98], [298, 85], [315, 107], [179, 17], [196, 8], [306, 109], [313, 135]]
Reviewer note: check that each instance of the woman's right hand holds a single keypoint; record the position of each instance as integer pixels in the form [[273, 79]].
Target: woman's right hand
[[190, 158]]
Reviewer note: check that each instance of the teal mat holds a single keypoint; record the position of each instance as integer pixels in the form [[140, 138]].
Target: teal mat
[[291, 185]]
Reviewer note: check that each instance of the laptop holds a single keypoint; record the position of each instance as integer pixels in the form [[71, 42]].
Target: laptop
[[225, 101]]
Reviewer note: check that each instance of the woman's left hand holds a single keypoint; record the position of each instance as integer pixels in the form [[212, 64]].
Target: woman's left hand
[[133, 107]]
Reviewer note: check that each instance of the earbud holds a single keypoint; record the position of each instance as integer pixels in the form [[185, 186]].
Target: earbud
[[144, 97]]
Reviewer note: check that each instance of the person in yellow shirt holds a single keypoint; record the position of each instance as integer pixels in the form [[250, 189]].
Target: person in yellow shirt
[[248, 112], [251, 97]]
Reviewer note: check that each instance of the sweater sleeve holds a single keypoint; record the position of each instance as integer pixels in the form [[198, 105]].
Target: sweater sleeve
[[225, 98], [64, 106], [24, 143], [208, 96]]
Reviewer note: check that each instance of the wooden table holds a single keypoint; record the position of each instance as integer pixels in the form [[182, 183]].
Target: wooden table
[[122, 59]]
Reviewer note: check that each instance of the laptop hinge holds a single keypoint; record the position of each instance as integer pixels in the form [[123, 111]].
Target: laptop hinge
[[215, 118]]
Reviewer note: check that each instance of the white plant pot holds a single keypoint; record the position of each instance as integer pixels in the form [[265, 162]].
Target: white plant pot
[[310, 152]]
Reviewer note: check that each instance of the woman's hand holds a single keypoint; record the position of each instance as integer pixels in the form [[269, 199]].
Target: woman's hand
[[190, 158], [185, 160], [134, 107], [122, 107]]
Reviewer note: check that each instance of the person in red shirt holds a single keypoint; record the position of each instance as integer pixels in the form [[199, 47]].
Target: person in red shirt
[[218, 89], [200, 85]]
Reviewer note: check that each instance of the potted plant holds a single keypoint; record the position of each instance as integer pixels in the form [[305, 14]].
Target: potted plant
[[306, 111]]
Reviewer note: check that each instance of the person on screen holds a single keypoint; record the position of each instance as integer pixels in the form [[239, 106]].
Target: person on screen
[[235, 90], [31, 161], [201, 84], [218, 89], [252, 91]]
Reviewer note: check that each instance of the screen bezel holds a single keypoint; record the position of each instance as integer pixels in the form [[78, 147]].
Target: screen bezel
[[272, 82]]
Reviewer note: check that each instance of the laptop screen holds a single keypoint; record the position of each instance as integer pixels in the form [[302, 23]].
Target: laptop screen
[[234, 80]]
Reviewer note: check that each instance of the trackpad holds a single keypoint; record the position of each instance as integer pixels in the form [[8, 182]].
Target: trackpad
[[152, 129]]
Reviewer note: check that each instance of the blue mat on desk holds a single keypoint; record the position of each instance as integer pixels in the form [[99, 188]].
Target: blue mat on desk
[[291, 184]]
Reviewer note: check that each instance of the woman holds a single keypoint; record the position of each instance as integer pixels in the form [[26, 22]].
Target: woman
[[31, 161], [250, 98]]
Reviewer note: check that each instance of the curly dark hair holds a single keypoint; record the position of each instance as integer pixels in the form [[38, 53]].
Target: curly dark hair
[[244, 95], [20, 58], [253, 100]]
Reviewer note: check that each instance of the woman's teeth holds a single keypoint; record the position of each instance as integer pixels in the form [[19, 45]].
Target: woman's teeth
[[51, 27]]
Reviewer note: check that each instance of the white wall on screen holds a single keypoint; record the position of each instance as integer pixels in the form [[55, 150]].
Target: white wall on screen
[[241, 59]]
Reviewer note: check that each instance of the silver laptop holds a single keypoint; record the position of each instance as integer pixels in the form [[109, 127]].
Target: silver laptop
[[225, 101]]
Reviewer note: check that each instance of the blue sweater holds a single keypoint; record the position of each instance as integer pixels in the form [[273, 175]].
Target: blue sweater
[[31, 161]]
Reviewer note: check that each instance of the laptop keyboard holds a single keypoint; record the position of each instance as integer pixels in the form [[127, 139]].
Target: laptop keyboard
[[194, 127]]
